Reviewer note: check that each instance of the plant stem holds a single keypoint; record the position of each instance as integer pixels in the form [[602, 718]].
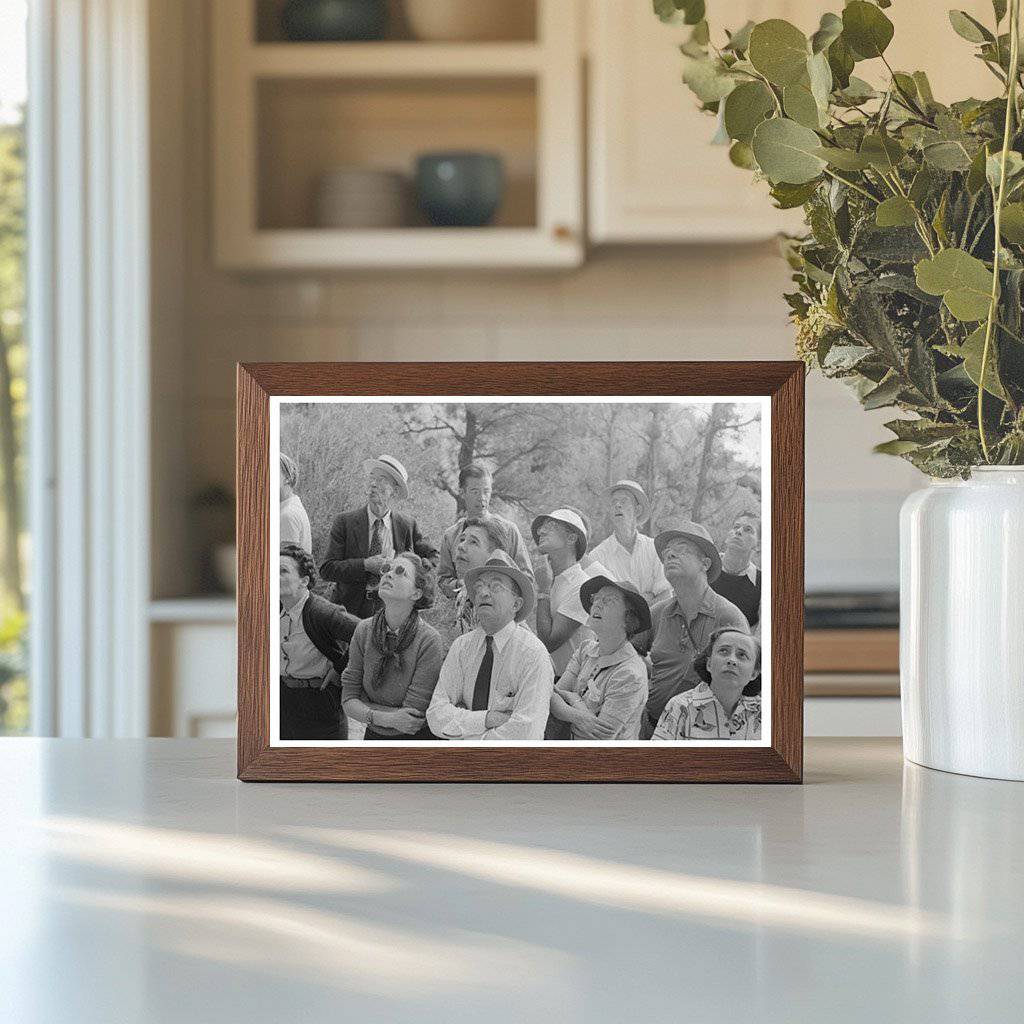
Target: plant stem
[[853, 185], [1011, 107]]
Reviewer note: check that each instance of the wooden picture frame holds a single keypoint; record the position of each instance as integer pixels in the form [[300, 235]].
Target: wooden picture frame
[[780, 760]]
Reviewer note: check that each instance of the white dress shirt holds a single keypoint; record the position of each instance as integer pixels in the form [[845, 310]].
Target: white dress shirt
[[300, 657], [642, 567], [387, 539], [521, 685]]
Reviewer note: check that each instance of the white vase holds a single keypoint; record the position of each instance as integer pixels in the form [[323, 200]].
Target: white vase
[[962, 624]]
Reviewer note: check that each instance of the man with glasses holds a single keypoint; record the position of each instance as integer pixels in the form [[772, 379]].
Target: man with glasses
[[683, 623], [366, 538], [497, 679]]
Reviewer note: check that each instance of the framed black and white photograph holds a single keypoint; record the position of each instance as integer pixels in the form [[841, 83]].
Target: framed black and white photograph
[[520, 571]]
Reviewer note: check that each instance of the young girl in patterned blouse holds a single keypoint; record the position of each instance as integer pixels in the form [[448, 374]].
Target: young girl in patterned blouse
[[716, 708]]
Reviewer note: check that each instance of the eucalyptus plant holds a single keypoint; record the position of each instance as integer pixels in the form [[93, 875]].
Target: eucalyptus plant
[[902, 289]]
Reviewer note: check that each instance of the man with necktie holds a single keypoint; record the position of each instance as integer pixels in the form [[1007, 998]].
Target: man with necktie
[[496, 681], [367, 538]]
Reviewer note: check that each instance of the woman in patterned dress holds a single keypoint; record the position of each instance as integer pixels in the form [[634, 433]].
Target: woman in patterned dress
[[716, 709]]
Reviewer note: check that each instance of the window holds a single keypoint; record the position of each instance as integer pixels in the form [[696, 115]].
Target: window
[[14, 691]]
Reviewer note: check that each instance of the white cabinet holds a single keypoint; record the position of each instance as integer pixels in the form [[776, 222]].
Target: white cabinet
[[286, 114], [654, 177]]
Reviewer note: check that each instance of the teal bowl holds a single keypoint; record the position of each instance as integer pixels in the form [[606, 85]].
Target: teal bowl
[[460, 189], [334, 21]]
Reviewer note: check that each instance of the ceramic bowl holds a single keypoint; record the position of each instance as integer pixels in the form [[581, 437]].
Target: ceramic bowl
[[332, 21], [460, 189]]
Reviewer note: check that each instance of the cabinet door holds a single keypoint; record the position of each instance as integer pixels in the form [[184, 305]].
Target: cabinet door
[[654, 177]]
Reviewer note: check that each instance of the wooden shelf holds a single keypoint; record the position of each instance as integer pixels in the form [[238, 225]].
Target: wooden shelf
[[852, 650], [393, 60]]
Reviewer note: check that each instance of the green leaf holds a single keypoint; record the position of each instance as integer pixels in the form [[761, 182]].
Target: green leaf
[[976, 173], [1014, 166], [866, 29], [820, 76], [786, 151], [971, 352], [963, 281], [707, 78], [885, 394], [779, 51], [788, 197], [895, 212], [969, 28], [1011, 225], [895, 447], [801, 106], [741, 155], [924, 88], [882, 151], [947, 156], [840, 61], [858, 91], [739, 41], [829, 29], [745, 108], [844, 159]]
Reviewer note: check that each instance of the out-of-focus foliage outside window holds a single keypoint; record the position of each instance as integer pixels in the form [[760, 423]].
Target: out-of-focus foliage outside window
[[14, 537]]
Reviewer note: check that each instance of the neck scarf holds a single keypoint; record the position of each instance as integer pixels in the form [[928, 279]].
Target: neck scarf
[[390, 645]]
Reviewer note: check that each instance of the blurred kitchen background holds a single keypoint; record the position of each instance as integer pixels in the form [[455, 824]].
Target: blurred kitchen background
[[290, 220]]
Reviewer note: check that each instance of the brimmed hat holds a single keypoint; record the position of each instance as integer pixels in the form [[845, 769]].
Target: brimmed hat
[[571, 518], [394, 469], [699, 535], [634, 599], [637, 491], [499, 561]]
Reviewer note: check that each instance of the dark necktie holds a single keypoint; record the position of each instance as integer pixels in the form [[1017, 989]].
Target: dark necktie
[[377, 541], [482, 689]]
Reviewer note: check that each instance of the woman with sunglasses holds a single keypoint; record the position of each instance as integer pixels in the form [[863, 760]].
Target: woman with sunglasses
[[395, 657]]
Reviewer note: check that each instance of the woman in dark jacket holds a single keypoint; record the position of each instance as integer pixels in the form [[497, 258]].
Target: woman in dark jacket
[[395, 658]]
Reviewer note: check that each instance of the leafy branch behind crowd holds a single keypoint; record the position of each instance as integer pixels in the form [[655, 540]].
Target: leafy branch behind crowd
[[902, 291]]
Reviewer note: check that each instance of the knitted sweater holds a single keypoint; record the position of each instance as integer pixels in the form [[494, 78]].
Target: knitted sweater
[[409, 686]]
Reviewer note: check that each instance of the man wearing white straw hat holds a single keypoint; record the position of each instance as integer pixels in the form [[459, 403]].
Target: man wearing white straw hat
[[628, 553], [365, 539], [561, 536], [683, 623], [496, 681]]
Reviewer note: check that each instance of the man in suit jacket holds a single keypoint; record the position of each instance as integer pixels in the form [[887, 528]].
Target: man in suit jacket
[[367, 538]]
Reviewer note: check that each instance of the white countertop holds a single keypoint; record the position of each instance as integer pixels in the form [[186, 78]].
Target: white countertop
[[140, 882]]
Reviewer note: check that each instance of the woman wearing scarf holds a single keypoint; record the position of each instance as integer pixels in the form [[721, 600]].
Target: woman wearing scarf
[[395, 657]]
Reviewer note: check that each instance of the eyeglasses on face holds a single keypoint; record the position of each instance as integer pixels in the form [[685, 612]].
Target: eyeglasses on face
[[491, 585]]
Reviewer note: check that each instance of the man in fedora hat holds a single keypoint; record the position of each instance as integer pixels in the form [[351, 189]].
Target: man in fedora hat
[[496, 681], [683, 623], [627, 553], [561, 536], [602, 694], [475, 485], [364, 539]]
